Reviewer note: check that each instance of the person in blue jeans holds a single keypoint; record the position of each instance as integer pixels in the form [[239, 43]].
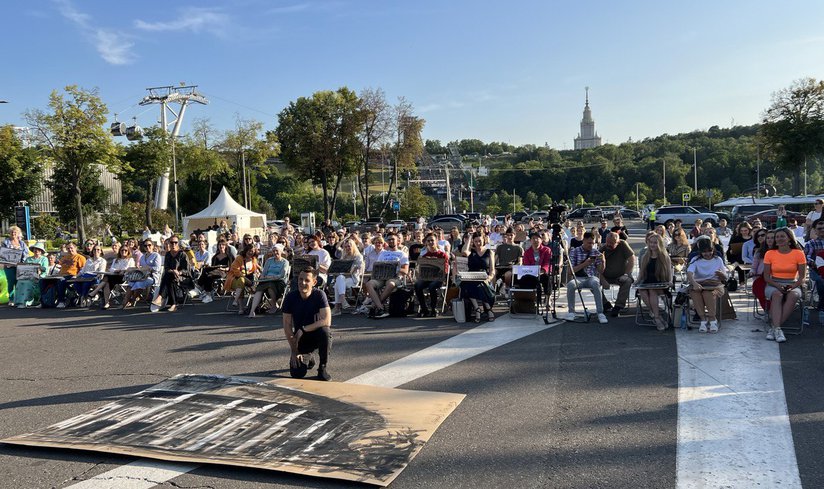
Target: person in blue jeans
[[587, 265], [811, 251]]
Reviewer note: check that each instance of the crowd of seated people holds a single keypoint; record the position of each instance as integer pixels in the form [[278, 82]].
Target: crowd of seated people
[[255, 270]]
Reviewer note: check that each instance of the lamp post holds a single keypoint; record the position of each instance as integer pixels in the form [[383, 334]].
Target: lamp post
[[664, 179]]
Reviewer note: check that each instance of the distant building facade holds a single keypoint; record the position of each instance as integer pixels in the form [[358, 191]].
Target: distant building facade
[[43, 202], [587, 138]]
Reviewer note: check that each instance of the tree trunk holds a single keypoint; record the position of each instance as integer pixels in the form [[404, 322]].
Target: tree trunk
[[149, 202], [338, 179], [392, 184], [78, 202], [324, 181], [210, 192]]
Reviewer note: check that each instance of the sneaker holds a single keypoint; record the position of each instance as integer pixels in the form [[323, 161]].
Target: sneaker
[[154, 307], [570, 316], [770, 334], [323, 374], [660, 324], [713, 326], [308, 359], [336, 312], [61, 305], [207, 298], [361, 310], [703, 327], [615, 311], [602, 318], [779, 336], [381, 313], [607, 306]]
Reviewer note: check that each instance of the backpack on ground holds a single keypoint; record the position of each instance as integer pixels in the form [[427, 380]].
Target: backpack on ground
[[401, 303]]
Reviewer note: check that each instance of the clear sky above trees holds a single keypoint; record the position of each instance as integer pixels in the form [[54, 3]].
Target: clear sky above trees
[[497, 71]]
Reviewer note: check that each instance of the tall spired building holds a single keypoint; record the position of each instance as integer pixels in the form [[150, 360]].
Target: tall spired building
[[587, 138]]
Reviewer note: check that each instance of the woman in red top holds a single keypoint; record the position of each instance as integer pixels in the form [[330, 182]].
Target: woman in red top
[[785, 269]]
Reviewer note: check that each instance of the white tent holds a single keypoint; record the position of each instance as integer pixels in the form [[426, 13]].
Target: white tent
[[225, 207]]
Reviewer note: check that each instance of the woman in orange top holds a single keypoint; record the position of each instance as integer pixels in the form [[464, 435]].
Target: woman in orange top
[[784, 271], [242, 272]]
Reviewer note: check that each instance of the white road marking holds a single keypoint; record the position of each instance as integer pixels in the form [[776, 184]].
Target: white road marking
[[733, 427], [145, 473]]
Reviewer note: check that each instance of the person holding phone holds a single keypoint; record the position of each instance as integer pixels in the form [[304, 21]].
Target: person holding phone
[[587, 265]]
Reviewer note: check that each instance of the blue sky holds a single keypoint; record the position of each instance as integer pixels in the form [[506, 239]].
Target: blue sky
[[504, 71]]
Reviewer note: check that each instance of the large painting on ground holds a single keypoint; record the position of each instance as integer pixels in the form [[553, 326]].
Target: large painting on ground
[[328, 429]]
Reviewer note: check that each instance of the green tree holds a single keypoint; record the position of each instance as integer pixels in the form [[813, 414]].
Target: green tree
[[73, 138], [407, 145], [374, 132], [199, 157], [544, 201], [248, 148], [793, 126], [20, 172], [144, 162], [493, 205], [414, 203], [531, 199], [319, 139]]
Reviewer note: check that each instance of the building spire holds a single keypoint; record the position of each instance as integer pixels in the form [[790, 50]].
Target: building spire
[[586, 89]]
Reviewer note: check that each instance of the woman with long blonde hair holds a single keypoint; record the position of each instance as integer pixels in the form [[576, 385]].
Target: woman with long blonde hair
[[655, 268]]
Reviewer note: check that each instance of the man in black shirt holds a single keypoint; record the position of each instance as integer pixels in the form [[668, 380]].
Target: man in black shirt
[[307, 322]]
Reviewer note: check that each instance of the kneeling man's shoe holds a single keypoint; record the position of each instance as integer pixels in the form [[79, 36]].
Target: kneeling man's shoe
[[323, 374]]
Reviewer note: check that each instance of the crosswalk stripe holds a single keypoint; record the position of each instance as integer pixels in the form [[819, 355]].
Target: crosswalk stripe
[[733, 426], [145, 473]]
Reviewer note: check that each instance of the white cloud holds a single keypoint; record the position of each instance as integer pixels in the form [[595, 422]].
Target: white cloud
[[113, 47], [190, 19]]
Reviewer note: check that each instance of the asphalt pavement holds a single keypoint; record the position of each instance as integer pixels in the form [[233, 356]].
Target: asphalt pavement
[[572, 405]]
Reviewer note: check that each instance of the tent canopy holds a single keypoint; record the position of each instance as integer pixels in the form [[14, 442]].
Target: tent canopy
[[225, 207]]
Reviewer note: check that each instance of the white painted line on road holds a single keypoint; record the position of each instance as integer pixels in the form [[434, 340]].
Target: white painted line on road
[[145, 473], [733, 427], [451, 351]]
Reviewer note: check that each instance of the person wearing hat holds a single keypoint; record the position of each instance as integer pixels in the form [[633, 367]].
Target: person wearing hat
[[273, 277], [28, 291]]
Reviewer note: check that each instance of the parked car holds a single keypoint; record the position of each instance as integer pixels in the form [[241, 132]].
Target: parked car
[[687, 214], [721, 215], [741, 212], [581, 212], [396, 225], [542, 215], [630, 214], [769, 217], [447, 222]]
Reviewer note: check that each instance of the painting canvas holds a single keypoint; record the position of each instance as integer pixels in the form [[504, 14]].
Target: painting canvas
[[10, 255], [28, 272], [328, 429]]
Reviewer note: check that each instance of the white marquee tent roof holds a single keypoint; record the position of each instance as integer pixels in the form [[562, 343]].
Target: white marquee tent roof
[[225, 207]]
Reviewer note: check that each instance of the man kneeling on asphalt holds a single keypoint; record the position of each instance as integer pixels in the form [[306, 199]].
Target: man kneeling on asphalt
[[307, 323]]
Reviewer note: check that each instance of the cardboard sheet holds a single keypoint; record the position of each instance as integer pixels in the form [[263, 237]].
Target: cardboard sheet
[[327, 429]]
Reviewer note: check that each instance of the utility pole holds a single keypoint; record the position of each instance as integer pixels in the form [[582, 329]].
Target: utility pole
[[637, 205], [758, 172], [243, 167], [695, 164], [665, 180]]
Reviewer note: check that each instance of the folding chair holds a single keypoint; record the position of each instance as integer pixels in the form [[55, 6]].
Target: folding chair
[[434, 269], [336, 269], [523, 295], [665, 306], [802, 321]]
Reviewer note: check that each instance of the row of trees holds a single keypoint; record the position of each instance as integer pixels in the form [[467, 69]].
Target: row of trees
[[330, 143]]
